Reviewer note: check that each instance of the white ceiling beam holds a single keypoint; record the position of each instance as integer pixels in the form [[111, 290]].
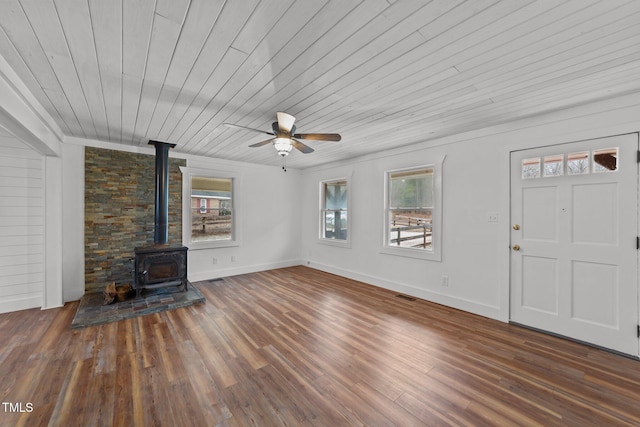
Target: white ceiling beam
[[24, 117]]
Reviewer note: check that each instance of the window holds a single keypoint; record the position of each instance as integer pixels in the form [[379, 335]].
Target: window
[[209, 209], [413, 206], [212, 218], [334, 221], [603, 160]]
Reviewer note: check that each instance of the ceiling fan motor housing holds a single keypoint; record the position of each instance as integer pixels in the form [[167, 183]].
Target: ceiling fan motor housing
[[283, 134]]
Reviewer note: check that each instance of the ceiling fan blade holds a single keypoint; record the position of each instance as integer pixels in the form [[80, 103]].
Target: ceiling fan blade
[[319, 136], [246, 128], [301, 147], [285, 122], [261, 143]]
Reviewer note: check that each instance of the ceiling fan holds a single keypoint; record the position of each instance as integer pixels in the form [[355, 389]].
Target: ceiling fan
[[285, 137]]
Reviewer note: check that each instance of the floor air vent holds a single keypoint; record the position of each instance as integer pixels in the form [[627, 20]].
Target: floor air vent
[[407, 297]]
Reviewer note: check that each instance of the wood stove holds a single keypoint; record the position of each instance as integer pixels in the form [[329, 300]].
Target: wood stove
[[161, 265]]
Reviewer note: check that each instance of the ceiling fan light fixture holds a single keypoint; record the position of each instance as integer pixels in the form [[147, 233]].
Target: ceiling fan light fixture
[[283, 146]]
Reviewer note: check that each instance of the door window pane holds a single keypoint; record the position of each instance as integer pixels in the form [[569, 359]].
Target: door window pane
[[578, 163], [531, 168], [554, 165], [605, 160]]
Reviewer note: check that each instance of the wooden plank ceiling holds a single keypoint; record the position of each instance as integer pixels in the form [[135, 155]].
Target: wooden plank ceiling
[[383, 73]]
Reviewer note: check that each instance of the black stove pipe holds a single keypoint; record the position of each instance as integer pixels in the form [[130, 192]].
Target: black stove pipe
[[161, 215]]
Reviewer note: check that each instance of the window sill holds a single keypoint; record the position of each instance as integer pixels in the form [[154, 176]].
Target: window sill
[[411, 253], [335, 242], [213, 244]]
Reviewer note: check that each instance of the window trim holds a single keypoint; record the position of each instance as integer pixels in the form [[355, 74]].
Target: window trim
[[436, 237], [346, 243], [236, 208]]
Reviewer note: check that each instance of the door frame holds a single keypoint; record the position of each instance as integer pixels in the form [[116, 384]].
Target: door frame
[[506, 290]]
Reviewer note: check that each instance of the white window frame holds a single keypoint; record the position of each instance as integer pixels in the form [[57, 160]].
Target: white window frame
[[236, 208], [335, 242], [435, 254]]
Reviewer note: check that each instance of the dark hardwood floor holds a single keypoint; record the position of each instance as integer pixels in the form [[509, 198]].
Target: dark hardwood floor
[[297, 346]]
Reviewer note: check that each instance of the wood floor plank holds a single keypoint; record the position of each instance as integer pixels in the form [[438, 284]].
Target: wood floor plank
[[297, 346]]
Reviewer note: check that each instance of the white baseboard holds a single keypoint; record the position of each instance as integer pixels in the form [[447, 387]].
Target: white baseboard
[[53, 306], [22, 303], [485, 310], [226, 272]]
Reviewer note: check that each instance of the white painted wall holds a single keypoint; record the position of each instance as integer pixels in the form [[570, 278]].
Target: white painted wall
[[72, 221], [475, 253], [22, 225], [268, 208], [53, 232], [469, 243]]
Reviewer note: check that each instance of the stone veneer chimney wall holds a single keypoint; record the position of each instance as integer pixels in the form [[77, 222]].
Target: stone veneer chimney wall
[[119, 212]]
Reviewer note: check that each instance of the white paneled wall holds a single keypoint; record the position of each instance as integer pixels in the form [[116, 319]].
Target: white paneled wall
[[22, 225]]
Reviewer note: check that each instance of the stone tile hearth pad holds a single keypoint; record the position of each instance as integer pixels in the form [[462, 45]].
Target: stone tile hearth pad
[[91, 312]]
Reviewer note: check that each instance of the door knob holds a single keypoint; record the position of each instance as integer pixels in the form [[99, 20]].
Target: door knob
[[516, 227], [516, 247]]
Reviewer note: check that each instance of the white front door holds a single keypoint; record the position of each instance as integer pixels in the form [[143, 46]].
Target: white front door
[[574, 256]]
